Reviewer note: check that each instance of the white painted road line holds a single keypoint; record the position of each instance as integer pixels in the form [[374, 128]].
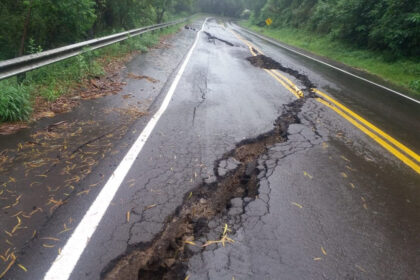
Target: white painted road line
[[64, 264], [329, 65]]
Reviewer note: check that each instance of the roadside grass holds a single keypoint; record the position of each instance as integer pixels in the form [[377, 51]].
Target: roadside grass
[[55, 80], [402, 72]]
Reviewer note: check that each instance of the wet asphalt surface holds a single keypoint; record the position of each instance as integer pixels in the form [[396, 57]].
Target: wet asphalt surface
[[331, 203]]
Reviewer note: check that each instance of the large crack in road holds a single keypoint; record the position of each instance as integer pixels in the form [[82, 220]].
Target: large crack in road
[[212, 38], [166, 257], [266, 62]]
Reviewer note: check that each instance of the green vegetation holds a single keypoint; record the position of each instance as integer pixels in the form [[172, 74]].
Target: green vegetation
[[15, 103], [30, 26], [51, 23], [402, 71], [52, 81], [379, 36]]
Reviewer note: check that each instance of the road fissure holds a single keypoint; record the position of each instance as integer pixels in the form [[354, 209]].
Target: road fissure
[[266, 62], [212, 38], [166, 257]]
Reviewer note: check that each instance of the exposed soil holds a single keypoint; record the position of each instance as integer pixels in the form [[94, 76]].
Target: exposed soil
[[166, 257], [266, 62], [42, 169]]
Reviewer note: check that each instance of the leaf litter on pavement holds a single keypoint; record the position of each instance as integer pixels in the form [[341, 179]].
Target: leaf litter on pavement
[[42, 172]]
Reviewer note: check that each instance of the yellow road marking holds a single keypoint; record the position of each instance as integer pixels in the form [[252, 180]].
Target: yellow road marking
[[283, 83], [289, 85], [277, 73], [371, 126], [375, 137]]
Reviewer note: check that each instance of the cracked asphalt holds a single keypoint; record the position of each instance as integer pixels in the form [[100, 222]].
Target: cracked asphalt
[[301, 193]]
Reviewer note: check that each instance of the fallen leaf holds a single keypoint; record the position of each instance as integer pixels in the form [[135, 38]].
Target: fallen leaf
[[140, 77], [297, 204], [346, 159], [46, 114], [22, 267], [307, 175], [9, 265], [360, 268], [150, 206], [50, 238]]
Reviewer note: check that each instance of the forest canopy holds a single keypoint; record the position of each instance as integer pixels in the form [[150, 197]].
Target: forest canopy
[[391, 26], [29, 26]]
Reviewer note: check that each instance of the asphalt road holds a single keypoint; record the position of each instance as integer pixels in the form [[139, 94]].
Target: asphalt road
[[247, 173]]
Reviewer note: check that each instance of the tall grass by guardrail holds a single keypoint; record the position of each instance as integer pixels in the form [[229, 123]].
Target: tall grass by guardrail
[[55, 80]]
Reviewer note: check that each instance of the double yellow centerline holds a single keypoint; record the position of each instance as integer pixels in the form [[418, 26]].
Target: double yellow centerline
[[388, 142], [274, 73], [399, 150]]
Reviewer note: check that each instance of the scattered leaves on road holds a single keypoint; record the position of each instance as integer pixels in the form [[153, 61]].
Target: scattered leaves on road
[[224, 239]]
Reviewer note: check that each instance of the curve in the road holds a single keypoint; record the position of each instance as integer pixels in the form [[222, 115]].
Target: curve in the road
[[332, 66], [385, 140]]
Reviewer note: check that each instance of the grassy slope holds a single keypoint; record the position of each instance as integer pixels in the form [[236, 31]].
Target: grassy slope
[[403, 72]]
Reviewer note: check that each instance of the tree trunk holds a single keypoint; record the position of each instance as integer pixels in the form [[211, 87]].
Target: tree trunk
[[25, 29], [160, 15]]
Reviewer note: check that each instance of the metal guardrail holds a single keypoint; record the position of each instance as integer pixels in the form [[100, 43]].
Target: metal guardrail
[[22, 64]]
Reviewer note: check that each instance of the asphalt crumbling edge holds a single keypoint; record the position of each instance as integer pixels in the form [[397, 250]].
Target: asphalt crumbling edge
[[167, 255]]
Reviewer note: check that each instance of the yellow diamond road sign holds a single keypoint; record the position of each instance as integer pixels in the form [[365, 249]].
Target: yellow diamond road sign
[[268, 21]]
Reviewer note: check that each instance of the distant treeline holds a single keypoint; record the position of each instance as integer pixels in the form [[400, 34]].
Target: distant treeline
[[392, 26], [28, 26]]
